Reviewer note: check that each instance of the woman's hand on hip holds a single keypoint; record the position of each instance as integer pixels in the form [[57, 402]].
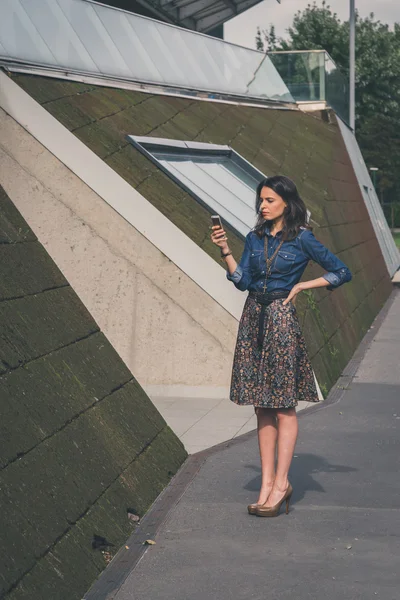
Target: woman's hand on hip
[[219, 238], [293, 293]]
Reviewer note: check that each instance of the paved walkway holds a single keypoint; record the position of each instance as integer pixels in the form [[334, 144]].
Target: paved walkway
[[342, 535]]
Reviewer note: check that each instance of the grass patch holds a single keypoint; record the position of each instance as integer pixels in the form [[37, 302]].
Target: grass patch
[[396, 237]]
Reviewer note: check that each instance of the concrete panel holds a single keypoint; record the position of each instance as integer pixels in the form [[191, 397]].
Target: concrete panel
[[111, 265], [195, 355]]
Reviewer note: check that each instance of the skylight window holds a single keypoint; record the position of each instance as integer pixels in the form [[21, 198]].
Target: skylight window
[[215, 176]]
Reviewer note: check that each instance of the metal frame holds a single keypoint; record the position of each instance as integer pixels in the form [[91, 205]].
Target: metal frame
[[315, 51], [287, 51], [173, 25], [198, 15], [146, 87], [352, 59]]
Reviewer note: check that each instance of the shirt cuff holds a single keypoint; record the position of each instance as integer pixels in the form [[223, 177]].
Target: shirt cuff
[[236, 275], [333, 279]]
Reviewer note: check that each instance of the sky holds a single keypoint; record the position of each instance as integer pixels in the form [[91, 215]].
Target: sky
[[243, 28]]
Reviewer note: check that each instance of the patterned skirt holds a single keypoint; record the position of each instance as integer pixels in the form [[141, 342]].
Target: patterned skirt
[[279, 374]]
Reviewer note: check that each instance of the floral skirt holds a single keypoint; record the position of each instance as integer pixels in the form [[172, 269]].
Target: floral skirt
[[279, 374]]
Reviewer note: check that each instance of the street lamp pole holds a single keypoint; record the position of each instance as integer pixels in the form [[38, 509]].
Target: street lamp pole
[[352, 64], [373, 171]]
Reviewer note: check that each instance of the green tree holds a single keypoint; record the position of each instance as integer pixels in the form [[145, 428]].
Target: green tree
[[377, 80], [266, 41]]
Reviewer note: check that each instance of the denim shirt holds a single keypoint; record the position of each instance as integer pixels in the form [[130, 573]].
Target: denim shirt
[[288, 265]]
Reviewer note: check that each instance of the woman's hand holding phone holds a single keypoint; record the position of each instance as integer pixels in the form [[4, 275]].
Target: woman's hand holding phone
[[218, 235]]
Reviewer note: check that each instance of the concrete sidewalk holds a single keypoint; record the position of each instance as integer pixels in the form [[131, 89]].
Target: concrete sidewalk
[[204, 422], [342, 535]]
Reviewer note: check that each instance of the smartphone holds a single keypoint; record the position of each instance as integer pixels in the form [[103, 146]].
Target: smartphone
[[216, 221]]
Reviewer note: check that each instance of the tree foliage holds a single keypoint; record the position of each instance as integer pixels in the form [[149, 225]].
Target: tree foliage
[[377, 79]]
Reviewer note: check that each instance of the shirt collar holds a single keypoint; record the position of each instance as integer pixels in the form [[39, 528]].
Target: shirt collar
[[267, 232]]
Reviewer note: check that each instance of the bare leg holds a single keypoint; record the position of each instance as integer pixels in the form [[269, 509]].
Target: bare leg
[[287, 436], [267, 437]]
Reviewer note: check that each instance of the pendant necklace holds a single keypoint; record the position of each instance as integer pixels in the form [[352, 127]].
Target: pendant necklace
[[269, 260]]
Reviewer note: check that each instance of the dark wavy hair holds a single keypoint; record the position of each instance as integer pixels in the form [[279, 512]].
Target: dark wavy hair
[[295, 213]]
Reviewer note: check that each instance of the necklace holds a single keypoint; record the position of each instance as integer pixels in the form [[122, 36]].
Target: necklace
[[269, 260]]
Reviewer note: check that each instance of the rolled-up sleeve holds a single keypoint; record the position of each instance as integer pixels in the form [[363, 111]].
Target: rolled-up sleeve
[[241, 277], [338, 273]]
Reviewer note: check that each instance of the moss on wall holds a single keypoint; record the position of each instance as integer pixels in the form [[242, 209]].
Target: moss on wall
[[81, 441]]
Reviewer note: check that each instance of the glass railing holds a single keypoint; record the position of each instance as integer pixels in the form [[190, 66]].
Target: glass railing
[[313, 76], [89, 39]]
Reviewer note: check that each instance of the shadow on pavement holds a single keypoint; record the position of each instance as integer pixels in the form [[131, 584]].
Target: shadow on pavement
[[304, 466]]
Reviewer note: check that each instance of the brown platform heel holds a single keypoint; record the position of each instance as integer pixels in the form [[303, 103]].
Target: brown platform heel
[[252, 508], [273, 511]]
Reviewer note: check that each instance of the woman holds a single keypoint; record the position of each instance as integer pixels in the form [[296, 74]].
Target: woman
[[271, 368]]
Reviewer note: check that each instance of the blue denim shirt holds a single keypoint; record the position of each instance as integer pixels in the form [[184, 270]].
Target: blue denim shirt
[[288, 265]]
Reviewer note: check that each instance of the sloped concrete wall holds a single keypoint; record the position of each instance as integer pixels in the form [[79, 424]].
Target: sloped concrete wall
[[80, 441], [307, 147], [162, 324]]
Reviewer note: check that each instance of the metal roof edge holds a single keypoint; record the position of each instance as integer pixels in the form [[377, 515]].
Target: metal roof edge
[[145, 87]]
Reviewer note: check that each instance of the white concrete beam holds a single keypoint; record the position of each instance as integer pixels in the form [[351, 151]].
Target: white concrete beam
[[120, 195]]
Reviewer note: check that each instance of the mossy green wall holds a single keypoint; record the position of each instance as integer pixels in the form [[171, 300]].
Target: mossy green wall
[[80, 440], [306, 147]]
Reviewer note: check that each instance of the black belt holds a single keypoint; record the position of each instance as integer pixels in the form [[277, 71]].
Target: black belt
[[265, 298]]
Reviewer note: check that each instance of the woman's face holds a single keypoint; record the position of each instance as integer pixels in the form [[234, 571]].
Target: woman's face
[[272, 205]]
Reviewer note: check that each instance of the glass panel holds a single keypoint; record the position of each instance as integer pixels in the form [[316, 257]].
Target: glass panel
[[89, 37], [218, 181], [19, 36], [313, 76], [49, 23], [227, 174], [245, 177], [300, 71], [86, 23], [220, 199], [131, 48], [337, 89], [3, 51]]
